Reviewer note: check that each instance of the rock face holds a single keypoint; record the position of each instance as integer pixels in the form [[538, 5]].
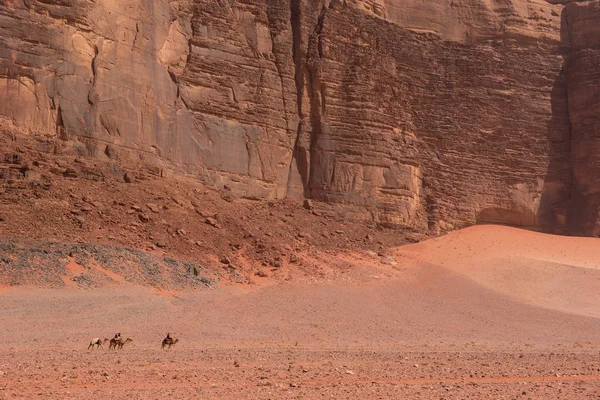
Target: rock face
[[429, 115], [432, 132], [582, 38]]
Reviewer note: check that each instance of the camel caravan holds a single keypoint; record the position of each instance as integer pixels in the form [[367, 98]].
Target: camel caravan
[[117, 342]]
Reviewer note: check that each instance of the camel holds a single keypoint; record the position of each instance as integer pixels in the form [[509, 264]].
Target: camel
[[168, 342], [118, 343], [123, 342], [97, 342]]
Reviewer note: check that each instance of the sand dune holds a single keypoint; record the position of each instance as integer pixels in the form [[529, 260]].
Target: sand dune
[[488, 309], [556, 272], [462, 248], [495, 286]]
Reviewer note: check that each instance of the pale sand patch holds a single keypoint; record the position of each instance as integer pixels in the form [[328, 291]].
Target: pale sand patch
[[73, 269], [555, 272]]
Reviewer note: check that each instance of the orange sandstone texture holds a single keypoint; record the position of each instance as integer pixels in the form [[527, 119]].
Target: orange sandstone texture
[[431, 116], [582, 38]]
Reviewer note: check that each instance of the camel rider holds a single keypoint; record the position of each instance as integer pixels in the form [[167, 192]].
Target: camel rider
[[168, 337], [117, 336]]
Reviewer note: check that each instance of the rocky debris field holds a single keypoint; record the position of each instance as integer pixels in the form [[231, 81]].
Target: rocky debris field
[[292, 373], [119, 218], [87, 266], [413, 338]]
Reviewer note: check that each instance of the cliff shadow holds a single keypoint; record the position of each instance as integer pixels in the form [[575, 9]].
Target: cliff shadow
[[571, 198], [562, 205], [556, 192]]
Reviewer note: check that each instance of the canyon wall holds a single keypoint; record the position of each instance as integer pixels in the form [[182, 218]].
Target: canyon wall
[[581, 35], [432, 115]]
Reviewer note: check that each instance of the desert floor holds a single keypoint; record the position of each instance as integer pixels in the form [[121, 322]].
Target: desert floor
[[486, 312]]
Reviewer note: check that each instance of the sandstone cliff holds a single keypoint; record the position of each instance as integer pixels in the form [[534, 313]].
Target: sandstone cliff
[[581, 36], [431, 116]]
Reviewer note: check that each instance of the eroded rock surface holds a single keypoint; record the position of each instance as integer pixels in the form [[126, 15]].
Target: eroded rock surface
[[430, 116], [582, 37]]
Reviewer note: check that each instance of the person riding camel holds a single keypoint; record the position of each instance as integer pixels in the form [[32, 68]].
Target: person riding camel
[[117, 336], [168, 337]]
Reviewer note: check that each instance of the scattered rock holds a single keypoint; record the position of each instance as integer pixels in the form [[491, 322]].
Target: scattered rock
[[212, 222], [127, 178], [70, 173], [389, 260], [161, 245], [227, 197], [12, 158], [206, 214], [308, 204], [178, 201], [143, 217], [153, 207], [225, 260]]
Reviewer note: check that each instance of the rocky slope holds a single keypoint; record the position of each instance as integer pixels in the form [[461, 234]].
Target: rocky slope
[[81, 222], [432, 116]]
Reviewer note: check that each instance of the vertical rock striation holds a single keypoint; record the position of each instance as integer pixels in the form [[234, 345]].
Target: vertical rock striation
[[416, 130], [431, 115], [581, 35]]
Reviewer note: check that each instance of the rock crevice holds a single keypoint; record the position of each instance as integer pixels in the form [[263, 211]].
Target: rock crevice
[[430, 117]]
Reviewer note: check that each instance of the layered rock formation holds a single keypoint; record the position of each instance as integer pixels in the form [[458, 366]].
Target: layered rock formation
[[581, 35], [431, 116]]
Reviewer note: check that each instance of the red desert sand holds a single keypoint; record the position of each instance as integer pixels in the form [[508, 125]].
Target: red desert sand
[[488, 312]]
